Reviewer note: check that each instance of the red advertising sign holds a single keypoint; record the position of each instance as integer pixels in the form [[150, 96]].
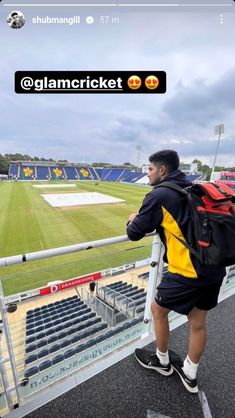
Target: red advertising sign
[[70, 283]]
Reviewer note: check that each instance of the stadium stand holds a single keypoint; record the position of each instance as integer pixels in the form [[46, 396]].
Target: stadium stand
[[42, 173], [131, 177], [57, 173], [13, 170], [122, 296], [60, 330], [84, 173], [38, 171], [71, 173]]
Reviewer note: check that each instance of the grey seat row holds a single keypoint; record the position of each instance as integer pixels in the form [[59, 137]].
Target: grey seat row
[[78, 349]]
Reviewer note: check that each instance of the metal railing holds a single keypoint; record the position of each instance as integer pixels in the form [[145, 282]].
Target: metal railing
[[16, 390], [13, 385]]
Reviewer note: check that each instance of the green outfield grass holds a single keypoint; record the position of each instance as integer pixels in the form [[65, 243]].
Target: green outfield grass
[[28, 223]]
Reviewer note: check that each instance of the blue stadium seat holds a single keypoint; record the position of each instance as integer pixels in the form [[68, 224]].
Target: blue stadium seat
[[38, 322], [50, 331], [42, 343], [31, 358], [71, 331], [126, 325], [99, 339], [69, 353], [57, 359], [30, 332], [52, 339], [31, 372], [58, 328], [54, 348], [80, 327], [109, 334], [116, 331], [30, 326], [93, 330], [76, 321], [47, 325], [30, 339], [80, 348], [85, 334], [30, 348], [40, 335], [62, 335], [45, 365], [134, 321], [90, 343], [39, 329], [140, 309], [75, 339], [114, 284], [43, 353], [65, 343], [96, 320], [103, 326], [57, 322], [55, 317]]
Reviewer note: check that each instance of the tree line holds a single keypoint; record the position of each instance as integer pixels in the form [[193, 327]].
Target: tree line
[[7, 158]]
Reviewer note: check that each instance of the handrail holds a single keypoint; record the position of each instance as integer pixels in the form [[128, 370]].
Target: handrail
[[37, 255]]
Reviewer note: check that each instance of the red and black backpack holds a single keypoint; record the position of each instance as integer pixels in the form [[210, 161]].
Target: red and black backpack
[[212, 210]]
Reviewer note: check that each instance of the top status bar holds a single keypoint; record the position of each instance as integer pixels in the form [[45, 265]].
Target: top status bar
[[136, 5]]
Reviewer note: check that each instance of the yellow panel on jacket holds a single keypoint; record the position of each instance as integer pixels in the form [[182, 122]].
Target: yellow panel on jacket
[[178, 256]]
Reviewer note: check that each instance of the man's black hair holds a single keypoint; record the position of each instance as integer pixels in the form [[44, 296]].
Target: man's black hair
[[14, 14], [166, 157]]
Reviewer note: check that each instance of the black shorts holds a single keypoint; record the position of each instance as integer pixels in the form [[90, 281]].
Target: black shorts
[[182, 298]]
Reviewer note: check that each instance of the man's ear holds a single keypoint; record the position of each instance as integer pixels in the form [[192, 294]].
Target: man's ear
[[162, 170]]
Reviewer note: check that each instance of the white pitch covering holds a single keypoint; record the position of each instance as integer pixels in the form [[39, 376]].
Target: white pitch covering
[[52, 186], [60, 200]]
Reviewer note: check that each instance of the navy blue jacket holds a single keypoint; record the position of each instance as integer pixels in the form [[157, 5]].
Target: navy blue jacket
[[166, 211]]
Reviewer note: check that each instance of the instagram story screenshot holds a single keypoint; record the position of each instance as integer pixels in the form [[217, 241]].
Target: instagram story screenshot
[[99, 103]]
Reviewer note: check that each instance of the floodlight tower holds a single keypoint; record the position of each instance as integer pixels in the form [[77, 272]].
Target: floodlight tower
[[138, 149], [219, 130]]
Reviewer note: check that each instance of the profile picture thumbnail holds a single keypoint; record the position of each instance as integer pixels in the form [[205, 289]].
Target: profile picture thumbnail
[[16, 20]]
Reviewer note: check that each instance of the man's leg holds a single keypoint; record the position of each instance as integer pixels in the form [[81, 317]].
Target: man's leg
[[197, 334], [187, 370], [161, 326], [158, 360]]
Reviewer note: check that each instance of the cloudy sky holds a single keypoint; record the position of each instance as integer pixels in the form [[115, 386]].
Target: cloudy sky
[[195, 49]]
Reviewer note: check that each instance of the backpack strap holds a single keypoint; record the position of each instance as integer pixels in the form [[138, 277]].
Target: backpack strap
[[184, 192], [172, 186]]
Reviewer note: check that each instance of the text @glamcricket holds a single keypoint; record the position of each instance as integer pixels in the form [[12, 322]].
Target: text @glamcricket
[[87, 83]]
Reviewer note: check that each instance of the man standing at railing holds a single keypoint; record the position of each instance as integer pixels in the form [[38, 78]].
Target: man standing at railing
[[188, 287]]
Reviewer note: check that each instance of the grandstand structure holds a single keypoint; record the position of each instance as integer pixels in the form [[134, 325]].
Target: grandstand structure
[[56, 337], [46, 171]]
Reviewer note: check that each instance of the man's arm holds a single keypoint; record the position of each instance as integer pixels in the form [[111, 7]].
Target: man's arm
[[147, 220]]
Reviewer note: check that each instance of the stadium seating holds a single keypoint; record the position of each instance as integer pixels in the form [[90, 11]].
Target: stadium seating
[[57, 173], [13, 170], [122, 296], [71, 173], [42, 173], [34, 361]]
